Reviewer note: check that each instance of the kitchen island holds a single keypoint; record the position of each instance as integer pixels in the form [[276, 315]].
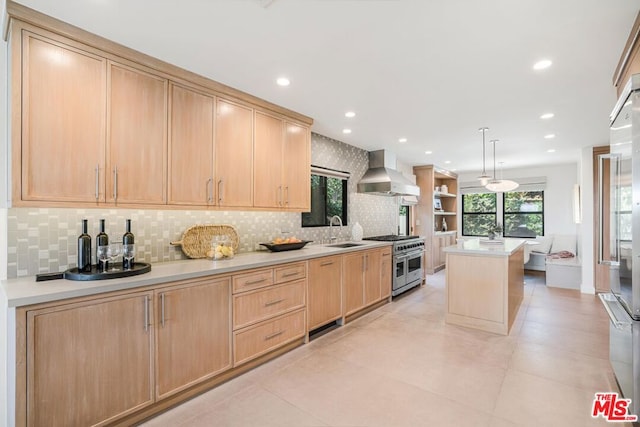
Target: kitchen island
[[485, 284]]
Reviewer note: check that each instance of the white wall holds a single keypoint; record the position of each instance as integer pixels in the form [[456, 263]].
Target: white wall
[[558, 195]]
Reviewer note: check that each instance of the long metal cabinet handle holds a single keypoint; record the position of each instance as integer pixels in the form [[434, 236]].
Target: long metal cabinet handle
[[162, 308], [286, 198], [601, 162], [97, 182], [294, 273], [324, 264], [268, 337], [274, 302], [617, 323], [280, 195], [146, 313], [210, 190], [220, 191], [253, 282], [115, 184]]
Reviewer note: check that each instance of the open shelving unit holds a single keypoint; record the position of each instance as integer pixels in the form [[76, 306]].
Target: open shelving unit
[[428, 220]]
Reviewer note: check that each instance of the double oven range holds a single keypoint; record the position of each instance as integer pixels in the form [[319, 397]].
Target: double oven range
[[407, 261]]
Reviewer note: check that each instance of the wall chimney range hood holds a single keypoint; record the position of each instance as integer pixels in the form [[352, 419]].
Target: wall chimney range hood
[[383, 179]]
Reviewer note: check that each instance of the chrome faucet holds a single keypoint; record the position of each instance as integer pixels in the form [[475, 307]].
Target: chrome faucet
[[331, 238]]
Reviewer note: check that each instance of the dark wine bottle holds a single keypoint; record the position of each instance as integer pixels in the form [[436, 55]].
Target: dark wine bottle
[[128, 239], [102, 239], [84, 249]]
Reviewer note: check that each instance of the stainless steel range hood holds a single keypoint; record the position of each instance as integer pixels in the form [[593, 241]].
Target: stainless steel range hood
[[383, 179]]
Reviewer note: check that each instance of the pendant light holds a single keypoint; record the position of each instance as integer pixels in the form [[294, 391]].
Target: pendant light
[[484, 178], [499, 185]]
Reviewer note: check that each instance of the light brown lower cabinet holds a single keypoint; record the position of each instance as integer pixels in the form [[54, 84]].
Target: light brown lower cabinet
[[386, 272], [362, 279], [325, 291], [193, 333], [89, 362]]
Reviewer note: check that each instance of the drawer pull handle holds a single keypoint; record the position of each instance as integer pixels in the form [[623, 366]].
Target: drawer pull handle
[[295, 273], [253, 282], [275, 334], [324, 264], [270, 303], [387, 254]]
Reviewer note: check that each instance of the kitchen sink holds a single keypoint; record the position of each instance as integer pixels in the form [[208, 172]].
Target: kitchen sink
[[345, 245]]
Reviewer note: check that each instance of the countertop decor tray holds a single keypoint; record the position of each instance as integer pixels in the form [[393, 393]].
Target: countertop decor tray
[[74, 274], [285, 246]]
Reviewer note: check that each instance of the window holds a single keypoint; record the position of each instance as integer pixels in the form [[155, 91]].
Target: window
[[328, 198], [478, 213], [523, 213]]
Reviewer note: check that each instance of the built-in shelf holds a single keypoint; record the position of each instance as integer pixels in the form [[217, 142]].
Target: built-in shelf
[[440, 194], [443, 213]]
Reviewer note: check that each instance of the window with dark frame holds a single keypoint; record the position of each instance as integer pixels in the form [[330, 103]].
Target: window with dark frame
[[479, 212], [523, 213], [328, 198]]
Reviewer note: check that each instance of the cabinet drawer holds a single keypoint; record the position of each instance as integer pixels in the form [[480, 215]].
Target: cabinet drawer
[[260, 339], [255, 306], [253, 280], [291, 272]]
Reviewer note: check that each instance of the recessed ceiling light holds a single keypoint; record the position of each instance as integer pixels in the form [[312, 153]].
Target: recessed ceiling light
[[350, 114], [546, 116], [428, 152], [402, 140], [283, 81], [551, 150], [550, 136], [446, 162], [346, 131], [541, 65]]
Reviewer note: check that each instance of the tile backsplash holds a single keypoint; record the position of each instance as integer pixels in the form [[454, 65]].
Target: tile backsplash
[[45, 239]]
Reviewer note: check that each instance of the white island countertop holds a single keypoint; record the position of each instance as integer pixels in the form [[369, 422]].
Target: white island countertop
[[26, 291], [482, 247]]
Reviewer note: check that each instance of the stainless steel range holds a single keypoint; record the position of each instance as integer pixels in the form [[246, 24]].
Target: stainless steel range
[[407, 261]]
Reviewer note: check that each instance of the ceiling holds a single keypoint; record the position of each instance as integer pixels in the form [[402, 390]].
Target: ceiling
[[430, 71]]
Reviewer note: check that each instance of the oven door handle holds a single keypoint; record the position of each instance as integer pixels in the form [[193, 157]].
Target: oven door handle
[[414, 254], [400, 257]]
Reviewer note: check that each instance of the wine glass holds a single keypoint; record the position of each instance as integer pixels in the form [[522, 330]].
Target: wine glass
[[103, 256], [114, 251], [129, 253]]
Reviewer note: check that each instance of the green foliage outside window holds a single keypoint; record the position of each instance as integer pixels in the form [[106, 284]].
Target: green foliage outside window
[[523, 213], [328, 198], [478, 213]]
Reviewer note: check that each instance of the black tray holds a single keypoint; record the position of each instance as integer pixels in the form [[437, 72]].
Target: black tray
[[285, 246], [95, 274]]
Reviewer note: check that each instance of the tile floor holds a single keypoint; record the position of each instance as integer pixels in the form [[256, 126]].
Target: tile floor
[[401, 365]]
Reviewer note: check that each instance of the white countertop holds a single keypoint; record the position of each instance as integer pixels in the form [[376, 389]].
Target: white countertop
[[25, 290], [480, 246]]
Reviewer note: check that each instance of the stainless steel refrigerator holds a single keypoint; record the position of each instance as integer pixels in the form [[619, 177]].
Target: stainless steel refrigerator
[[623, 302]]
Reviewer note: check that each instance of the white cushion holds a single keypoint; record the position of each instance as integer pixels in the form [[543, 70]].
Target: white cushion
[[544, 244], [564, 242]]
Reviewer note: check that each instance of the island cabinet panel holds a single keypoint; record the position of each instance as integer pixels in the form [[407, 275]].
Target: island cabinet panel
[[325, 291], [90, 362], [193, 329], [233, 155], [137, 136], [190, 147], [62, 156]]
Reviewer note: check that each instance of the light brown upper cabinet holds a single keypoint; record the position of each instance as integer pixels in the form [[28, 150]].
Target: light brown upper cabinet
[[95, 123], [282, 168], [234, 154], [63, 123], [210, 150], [137, 136], [191, 148]]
